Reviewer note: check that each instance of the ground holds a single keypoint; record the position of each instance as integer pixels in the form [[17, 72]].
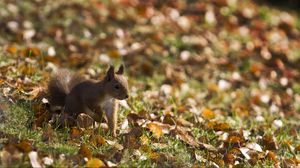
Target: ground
[[212, 83]]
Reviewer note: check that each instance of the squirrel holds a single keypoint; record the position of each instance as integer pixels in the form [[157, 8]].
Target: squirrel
[[78, 95]]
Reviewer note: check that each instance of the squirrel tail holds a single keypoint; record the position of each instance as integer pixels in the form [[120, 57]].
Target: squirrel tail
[[60, 85]]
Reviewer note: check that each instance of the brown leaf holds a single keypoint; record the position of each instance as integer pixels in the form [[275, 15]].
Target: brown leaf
[[35, 92], [234, 139], [289, 162], [114, 54], [217, 126], [31, 51], [132, 138], [84, 151], [97, 140], [207, 147], [184, 136], [272, 156], [182, 122], [75, 133], [269, 143], [168, 119], [229, 158], [133, 118]]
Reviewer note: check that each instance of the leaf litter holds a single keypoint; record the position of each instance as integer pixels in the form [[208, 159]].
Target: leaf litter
[[221, 77]]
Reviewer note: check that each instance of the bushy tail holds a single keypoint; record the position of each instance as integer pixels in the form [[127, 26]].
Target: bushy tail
[[60, 85]]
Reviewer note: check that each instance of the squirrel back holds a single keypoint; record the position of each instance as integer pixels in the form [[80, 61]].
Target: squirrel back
[[61, 83]]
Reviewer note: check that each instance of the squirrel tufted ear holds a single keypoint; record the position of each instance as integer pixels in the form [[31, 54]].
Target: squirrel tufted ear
[[121, 70], [110, 73]]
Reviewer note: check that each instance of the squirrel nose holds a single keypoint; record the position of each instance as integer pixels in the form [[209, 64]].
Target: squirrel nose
[[126, 96]]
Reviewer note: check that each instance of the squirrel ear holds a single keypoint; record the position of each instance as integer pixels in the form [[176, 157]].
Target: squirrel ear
[[121, 70], [110, 73]]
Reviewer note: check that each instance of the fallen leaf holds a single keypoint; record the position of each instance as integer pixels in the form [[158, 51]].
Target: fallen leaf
[[12, 49], [183, 135], [272, 156], [75, 133], [33, 156], [207, 114], [95, 163], [97, 140], [254, 146], [229, 158], [84, 151], [114, 54], [269, 143], [48, 161], [155, 129], [168, 119], [218, 126]]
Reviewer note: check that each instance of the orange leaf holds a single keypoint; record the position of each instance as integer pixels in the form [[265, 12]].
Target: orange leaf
[[208, 114], [31, 51], [75, 133], [155, 129], [272, 156], [12, 49]]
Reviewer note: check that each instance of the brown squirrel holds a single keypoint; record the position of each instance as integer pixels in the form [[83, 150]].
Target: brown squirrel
[[77, 95]]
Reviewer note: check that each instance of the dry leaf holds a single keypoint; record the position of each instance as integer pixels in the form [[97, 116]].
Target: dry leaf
[[272, 156], [75, 133], [217, 126], [269, 143], [33, 156], [114, 54], [184, 136], [12, 49], [155, 129], [97, 140], [95, 163], [207, 114], [84, 151]]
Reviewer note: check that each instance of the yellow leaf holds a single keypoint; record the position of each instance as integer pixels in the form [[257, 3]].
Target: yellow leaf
[[155, 129], [95, 163], [144, 140]]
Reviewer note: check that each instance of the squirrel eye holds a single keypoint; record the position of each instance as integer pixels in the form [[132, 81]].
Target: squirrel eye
[[117, 87]]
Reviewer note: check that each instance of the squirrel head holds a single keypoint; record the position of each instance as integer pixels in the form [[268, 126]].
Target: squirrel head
[[115, 83]]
